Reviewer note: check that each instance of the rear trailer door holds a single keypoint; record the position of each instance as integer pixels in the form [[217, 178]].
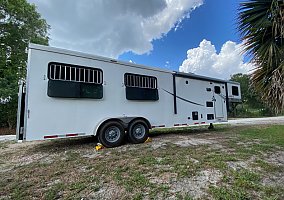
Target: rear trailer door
[[219, 99], [21, 111]]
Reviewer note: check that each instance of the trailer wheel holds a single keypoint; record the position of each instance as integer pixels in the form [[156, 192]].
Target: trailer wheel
[[138, 132], [111, 134]]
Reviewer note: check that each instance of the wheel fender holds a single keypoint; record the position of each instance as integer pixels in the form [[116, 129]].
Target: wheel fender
[[141, 118]]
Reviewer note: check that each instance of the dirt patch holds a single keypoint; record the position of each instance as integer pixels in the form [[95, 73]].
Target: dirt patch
[[197, 185], [108, 191], [192, 142], [164, 178], [238, 165], [276, 158], [274, 181]]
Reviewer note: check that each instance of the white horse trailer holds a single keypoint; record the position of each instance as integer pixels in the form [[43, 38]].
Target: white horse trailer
[[71, 94]]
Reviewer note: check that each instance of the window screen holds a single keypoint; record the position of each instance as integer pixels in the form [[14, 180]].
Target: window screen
[[235, 91], [141, 87], [72, 81], [217, 89]]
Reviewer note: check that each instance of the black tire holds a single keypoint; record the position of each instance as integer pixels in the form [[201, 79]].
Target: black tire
[[111, 134], [138, 131]]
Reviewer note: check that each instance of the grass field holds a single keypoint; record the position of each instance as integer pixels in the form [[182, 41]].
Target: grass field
[[230, 162]]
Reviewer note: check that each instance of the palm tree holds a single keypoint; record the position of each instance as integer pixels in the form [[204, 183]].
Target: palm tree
[[261, 25]]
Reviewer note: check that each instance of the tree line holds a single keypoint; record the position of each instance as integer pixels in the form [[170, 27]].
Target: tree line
[[20, 24]]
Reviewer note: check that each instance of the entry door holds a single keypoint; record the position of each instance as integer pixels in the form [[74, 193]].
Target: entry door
[[218, 98], [21, 111]]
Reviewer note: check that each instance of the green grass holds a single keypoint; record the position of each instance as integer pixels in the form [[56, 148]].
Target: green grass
[[272, 135], [54, 191], [131, 172]]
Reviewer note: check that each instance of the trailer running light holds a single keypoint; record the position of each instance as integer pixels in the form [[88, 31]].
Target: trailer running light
[[202, 122], [196, 123]]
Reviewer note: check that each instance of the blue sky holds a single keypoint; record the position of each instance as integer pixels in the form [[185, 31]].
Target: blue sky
[[215, 21], [196, 36]]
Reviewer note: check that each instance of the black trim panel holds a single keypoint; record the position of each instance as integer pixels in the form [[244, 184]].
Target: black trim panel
[[198, 77], [68, 89], [145, 94], [175, 94]]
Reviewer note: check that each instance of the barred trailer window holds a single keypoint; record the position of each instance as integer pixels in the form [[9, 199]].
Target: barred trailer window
[[141, 87], [74, 73], [73, 81], [140, 81]]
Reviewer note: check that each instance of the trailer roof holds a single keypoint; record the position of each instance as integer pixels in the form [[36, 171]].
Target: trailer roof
[[110, 60], [200, 77], [93, 57]]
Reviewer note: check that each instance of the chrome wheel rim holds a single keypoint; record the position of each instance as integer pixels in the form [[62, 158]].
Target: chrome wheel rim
[[139, 131], [112, 134]]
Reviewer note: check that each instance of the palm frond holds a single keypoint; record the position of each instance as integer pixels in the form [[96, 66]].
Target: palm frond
[[261, 26]]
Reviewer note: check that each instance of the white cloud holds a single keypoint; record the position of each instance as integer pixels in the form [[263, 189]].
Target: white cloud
[[112, 27], [205, 60]]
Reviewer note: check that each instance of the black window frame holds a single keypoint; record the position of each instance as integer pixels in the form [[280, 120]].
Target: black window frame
[[141, 87], [195, 115], [235, 90], [73, 86], [217, 89], [210, 116], [209, 104]]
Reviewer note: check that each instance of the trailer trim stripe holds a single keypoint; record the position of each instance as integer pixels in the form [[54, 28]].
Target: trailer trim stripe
[[159, 126], [50, 136], [64, 136], [180, 124]]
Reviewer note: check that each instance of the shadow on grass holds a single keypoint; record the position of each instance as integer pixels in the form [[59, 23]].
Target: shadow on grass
[[62, 145]]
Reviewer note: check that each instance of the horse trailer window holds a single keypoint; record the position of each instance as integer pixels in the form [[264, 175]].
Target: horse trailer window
[[66, 72], [141, 87], [217, 89], [235, 91], [140, 81], [73, 81]]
